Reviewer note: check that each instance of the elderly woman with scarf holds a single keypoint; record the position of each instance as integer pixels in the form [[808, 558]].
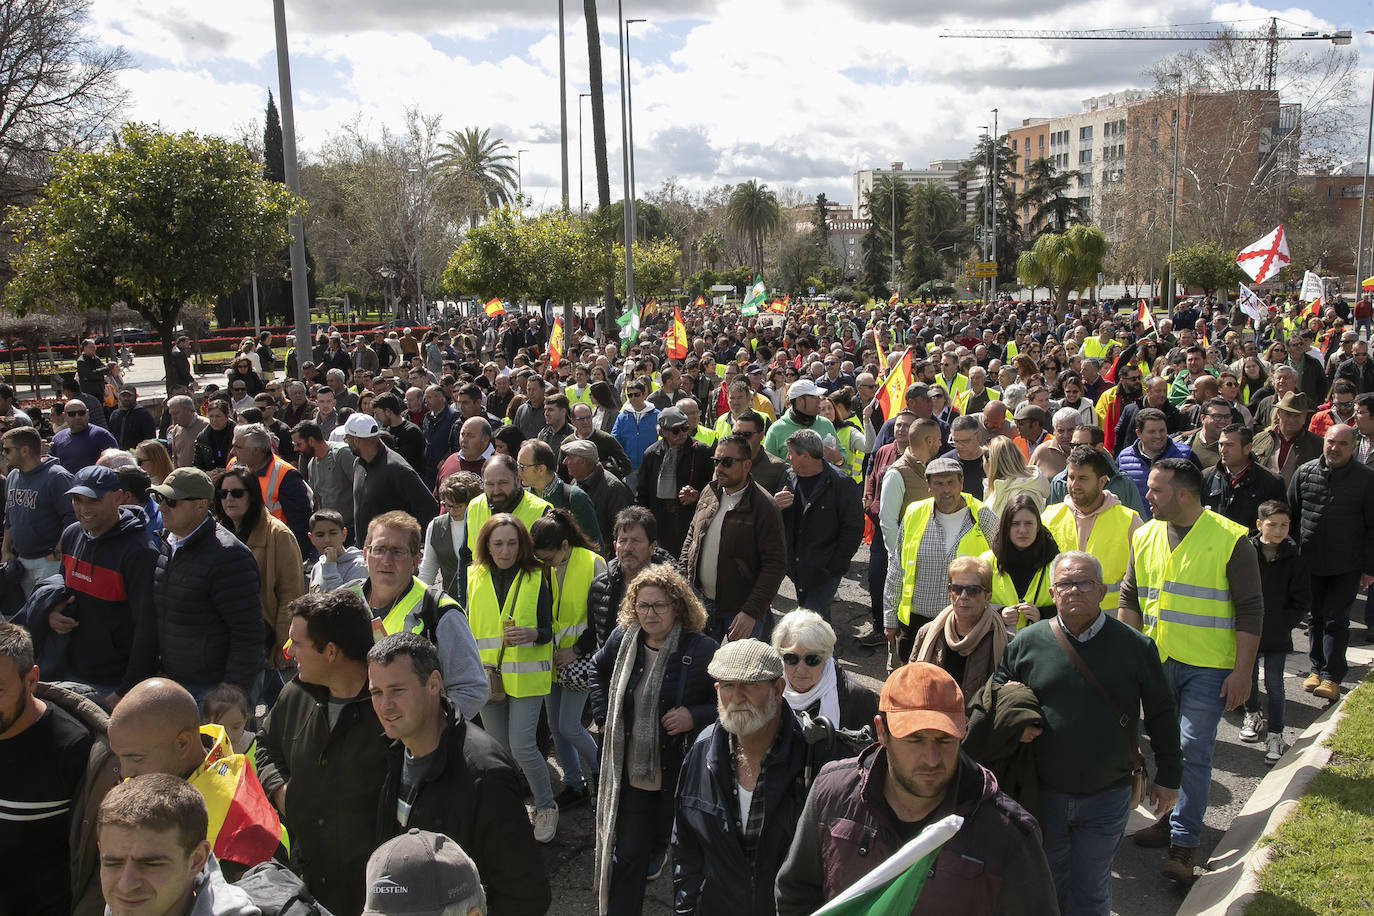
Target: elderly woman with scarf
[[651, 691], [816, 685], [967, 638]]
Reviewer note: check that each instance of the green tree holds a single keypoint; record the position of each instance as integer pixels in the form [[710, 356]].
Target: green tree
[[273, 152], [1007, 223], [1207, 265], [1064, 262], [1046, 195], [651, 223], [475, 172], [600, 156], [655, 265], [876, 263], [933, 227], [154, 220], [820, 221], [711, 245], [753, 212], [888, 203]]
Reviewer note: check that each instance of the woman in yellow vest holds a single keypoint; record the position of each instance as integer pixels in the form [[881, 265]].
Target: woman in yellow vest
[[572, 562], [855, 439], [510, 611], [1020, 559]]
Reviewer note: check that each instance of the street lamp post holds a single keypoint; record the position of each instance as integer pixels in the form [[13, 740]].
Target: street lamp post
[[993, 227], [1364, 191], [983, 217], [300, 293], [1173, 194], [630, 123], [520, 175], [628, 204], [581, 190], [893, 227], [563, 102]]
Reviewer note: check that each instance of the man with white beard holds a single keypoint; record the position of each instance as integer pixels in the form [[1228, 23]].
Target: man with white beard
[[739, 795]]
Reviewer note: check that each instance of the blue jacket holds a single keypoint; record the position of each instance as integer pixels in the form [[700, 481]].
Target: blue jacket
[[636, 434], [437, 429], [1137, 467]]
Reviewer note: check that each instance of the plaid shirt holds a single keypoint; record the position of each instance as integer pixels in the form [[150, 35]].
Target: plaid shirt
[[933, 556], [752, 827]]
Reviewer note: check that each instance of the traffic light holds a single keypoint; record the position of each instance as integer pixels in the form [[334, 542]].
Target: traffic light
[[978, 232]]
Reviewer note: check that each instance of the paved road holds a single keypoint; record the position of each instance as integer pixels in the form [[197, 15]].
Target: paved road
[[1137, 889]]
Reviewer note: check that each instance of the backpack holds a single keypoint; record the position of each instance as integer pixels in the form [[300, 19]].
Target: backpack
[[278, 891], [826, 743]]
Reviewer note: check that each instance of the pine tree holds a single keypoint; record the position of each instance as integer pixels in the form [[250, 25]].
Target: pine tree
[[273, 159]]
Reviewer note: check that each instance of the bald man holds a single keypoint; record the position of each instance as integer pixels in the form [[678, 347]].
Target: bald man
[[156, 729]]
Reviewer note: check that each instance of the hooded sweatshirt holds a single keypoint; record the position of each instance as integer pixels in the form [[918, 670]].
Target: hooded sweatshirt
[[326, 576], [112, 578], [37, 507], [212, 895], [1084, 521]]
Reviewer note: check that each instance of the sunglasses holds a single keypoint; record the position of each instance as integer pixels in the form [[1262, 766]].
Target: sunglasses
[[676, 430], [971, 590], [726, 461], [168, 501], [812, 660], [233, 493], [76, 413]]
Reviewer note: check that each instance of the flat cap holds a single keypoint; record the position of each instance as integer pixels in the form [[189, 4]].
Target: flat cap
[[745, 661]]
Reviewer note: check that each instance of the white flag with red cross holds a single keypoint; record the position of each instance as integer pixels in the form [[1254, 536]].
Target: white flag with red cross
[[1264, 259]]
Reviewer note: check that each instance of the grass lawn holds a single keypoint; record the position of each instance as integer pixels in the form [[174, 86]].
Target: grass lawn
[[1322, 853]]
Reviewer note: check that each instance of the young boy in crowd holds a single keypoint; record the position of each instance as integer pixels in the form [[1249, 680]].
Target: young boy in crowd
[[337, 564], [1287, 590]]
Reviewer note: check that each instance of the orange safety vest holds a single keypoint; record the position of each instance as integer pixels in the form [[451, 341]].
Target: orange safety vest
[[271, 486]]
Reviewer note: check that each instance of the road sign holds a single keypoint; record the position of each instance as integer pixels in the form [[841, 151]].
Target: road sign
[[979, 272], [811, 290], [985, 265]]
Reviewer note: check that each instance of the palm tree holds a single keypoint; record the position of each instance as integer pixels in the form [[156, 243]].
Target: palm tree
[[933, 223], [711, 246], [753, 212], [477, 171], [1046, 196], [1064, 262]]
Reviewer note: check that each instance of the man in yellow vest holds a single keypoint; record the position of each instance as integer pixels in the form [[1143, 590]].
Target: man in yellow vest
[[1092, 519], [401, 603], [284, 493], [1192, 585], [950, 378], [933, 532]]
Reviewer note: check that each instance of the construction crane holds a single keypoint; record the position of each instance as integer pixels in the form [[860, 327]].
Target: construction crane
[[1271, 36]]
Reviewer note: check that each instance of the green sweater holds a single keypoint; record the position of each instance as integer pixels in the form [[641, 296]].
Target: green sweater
[[1084, 749]]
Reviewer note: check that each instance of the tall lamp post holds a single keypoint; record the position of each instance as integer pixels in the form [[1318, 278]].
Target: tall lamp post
[[993, 226], [630, 122], [520, 174], [563, 103], [983, 217], [1173, 193], [581, 158], [893, 227], [300, 293], [628, 204], [1364, 191]]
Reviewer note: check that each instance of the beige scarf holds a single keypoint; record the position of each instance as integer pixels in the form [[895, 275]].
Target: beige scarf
[[940, 635]]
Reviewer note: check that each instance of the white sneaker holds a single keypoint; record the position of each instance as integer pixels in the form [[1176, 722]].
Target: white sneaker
[[1252, 727], [545, 824], [1273, 749]]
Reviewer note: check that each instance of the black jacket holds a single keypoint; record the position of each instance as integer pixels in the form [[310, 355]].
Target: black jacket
[[112, 579], [209, 614], [409, 443], [1362, 377], [1333, 516], [130, 427], [713, 871], [822, 532], [694, 469], [1240, 503], [1313, 383], [603, 602], [1287, 588], [386, 483], [334, 784], [1125, 424], [472, 795]]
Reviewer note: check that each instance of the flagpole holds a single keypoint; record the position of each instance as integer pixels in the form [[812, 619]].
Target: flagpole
[[1364, 193]]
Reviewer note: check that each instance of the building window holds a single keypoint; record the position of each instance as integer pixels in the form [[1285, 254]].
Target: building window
[[1085, 133], [1085, 156]]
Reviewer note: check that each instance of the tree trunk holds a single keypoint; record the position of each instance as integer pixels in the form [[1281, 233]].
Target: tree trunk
[[603, 172]]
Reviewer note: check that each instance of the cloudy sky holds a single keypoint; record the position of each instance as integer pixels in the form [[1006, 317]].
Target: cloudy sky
[[794, 93]]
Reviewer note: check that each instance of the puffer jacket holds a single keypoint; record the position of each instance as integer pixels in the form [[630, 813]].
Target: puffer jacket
[[1333, 516], [603, 602], [209, 616], [994, 865], [1137, 467]]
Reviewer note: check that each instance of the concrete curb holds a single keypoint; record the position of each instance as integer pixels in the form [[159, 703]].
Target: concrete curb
[[1231, 876]]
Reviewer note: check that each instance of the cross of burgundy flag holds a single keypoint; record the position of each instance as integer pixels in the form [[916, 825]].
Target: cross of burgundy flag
[[1264, 259]]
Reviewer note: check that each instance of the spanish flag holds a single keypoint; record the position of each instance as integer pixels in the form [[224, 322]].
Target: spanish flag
[[892, 395], [1143, 314], [700, 303], [649, 310], [244, 827], [556, 343], [776, 306], [495, 307], [677, 340], [892, 300]]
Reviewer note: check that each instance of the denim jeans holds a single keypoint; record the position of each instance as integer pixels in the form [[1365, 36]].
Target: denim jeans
[[1273, 688], [877, 576], [571, 741], [718, 623], [1082, 833], [1329, 631], [514, 722], [819, 595], [643, 824], [35, 570], [1197, 694]]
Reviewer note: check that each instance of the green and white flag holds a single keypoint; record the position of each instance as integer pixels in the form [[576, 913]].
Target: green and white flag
[[629, 326], [757, 293], [892, 888]]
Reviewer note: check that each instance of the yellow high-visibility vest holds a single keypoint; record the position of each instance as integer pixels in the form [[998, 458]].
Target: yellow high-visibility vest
[[527, 510], [856, 455], [1004, 591], [526, 671], [914, 524], [1109, 541], [570, 597]]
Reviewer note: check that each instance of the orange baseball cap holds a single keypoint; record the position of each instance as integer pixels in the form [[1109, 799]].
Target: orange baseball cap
[[920, 696]]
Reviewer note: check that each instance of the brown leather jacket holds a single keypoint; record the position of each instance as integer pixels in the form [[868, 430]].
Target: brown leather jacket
[[753, 555]]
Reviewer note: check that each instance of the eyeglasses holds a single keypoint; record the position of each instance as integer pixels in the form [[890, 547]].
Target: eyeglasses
[[1076, 585], [76, 413], [239, 388], [725, 461], [233, 493], [168, 501], [656, 609], [395, 553], [676, 430], [812, 660], [973, 591], [524, 467]]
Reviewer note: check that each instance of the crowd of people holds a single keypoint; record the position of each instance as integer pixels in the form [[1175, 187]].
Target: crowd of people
[[390, 609]]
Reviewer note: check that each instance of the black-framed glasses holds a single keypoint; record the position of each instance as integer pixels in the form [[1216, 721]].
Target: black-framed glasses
[[168, 501], [232, 492], [76, 413], [725, 461], [678, 430], [813, 660], [1075, 585], [973, 591]]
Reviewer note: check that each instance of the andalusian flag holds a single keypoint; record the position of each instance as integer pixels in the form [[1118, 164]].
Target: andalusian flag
[[494, 307], [892, 395], [244, 827], [700, 303], [757, 293], [677, 339], [1143, 314], [556, 343], [629, 326], [893, 887]]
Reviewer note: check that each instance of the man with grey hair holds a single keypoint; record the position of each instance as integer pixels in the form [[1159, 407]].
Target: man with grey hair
[[822, 520], [284, 493], [1052, 455], [933, 532], [298, 405], [1283, 380], [976, 396], [336, 381], [1085, 798]]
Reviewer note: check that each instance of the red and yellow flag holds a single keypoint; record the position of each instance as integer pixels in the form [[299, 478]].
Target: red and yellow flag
[[494, 306], [892, 395], [649, 310], [777, 306], [892, 300], [1314, 310], [677, 338], [244, 827], [882, 357], [556, 343], [1143, 314], [700, 303]]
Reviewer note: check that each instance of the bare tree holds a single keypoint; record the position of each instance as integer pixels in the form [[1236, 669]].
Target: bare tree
[[57, 89]]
